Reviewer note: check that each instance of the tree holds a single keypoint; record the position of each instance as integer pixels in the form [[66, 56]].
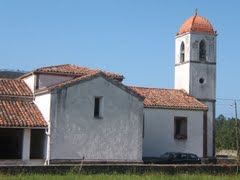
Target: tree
[[225, 133]]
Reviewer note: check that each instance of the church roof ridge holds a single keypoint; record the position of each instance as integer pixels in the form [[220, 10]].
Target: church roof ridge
[[157, 88]]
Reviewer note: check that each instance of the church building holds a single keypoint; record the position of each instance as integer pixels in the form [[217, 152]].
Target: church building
[[69, 113]]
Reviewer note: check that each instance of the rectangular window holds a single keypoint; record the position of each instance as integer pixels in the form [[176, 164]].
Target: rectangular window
[[98, 107], [180, 126]]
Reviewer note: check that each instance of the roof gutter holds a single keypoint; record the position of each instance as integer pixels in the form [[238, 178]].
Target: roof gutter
[[176, 108], [22, 127], [26, 75]]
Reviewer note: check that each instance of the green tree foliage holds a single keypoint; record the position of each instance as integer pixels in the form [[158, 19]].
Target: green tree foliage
[[225, 133]]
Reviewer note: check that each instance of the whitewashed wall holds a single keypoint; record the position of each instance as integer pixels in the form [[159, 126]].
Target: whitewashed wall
[[43, 103], [191, 42], [159, 132], [187, 74], [30, 81], [210, 41], [178, 41], [207, 90], [182, 70], [75, 133], [46, 80], [182, 77]]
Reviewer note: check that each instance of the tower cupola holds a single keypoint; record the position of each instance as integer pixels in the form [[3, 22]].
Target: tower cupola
[[196, 24]]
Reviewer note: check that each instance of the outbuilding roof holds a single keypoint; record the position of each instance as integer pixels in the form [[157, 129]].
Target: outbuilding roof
[[169, 99]]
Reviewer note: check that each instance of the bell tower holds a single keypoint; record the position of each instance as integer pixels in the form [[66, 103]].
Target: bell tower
[[195, 68]]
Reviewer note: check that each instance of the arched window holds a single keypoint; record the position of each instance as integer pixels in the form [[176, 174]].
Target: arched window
[[202, 50], [182, 52]]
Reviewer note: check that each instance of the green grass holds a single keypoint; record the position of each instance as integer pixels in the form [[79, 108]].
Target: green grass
[[115, 177]]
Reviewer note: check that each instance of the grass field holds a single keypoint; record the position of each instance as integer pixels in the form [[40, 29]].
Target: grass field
[[116, 177]]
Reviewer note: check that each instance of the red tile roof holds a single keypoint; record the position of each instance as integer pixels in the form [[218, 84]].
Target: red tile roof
[[20, 114], [169, 99], [198, 24], [73, 70], [13, 87]]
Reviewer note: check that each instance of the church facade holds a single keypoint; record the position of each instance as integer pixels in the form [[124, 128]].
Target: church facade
[[69, 113]]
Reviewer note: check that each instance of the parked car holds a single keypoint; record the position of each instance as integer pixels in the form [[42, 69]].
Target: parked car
[[179, 158]]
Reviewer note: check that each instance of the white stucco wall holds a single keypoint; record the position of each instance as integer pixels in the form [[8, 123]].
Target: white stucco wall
[[182, 77], [43, 103], [210, 41], [178, 41], [182, 70], [207, 90], [187, 74], [75, 133], [191, 42], [46, 80], [159, 132], [30, 81]]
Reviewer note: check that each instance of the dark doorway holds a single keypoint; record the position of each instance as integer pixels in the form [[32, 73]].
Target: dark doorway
[[11, 143], [37, 143]]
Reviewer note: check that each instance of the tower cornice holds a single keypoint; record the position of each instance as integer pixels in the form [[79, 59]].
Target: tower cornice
[[194, 61]]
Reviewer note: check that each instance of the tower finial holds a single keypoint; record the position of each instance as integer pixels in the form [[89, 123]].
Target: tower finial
[[196, 12]]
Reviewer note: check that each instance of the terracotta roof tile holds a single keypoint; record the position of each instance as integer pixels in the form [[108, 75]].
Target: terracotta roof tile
[[16, 106], [13, 87], [20, 114], [196, 23], [169, 99], [73, 70]]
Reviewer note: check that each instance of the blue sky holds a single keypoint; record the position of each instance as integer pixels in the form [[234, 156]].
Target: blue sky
[[132, 37]]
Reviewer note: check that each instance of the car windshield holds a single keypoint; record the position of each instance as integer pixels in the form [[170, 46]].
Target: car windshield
[[165, 155], [192, 156], [178, 156], [184, 156]]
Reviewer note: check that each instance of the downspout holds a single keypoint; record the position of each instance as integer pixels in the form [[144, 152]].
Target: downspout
[[48, 133]]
